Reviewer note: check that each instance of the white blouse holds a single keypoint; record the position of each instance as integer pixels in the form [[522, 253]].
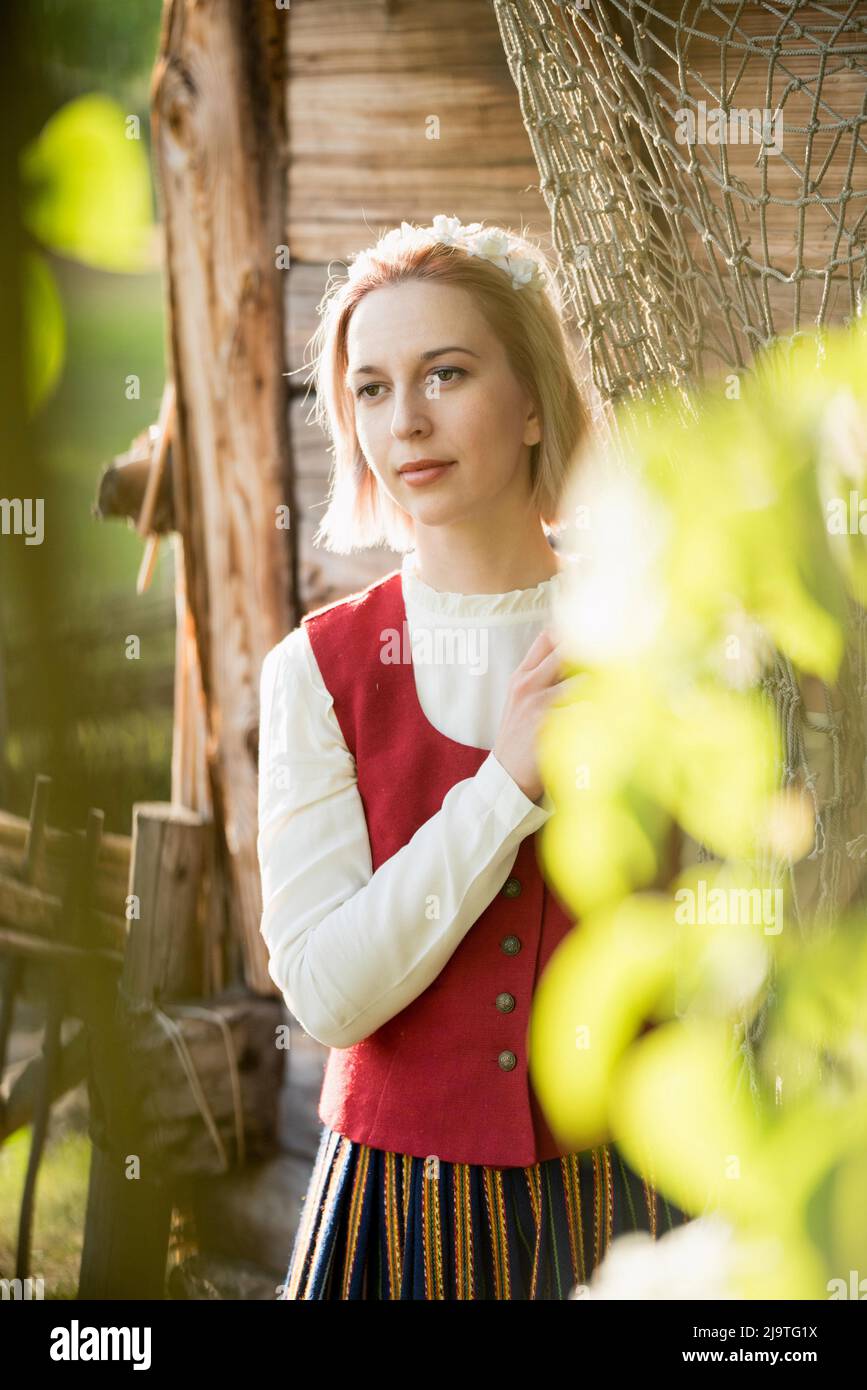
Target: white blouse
[[349, 948]]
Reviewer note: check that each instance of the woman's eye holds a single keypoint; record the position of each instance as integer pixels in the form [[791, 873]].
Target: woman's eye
[[456, 371]]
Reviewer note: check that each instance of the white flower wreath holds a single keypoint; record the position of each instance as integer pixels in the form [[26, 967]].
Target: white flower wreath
[[487, 243]]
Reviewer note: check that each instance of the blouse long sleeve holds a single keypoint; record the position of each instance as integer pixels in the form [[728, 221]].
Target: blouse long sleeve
[[350, 948]]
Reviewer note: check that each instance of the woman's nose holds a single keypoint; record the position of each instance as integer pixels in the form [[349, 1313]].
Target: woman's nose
[[409, 415]]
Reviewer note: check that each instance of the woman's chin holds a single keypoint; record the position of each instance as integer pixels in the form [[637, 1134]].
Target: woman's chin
[[437, 513]]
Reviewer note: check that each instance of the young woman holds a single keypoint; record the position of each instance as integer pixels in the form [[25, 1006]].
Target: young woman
[[405, 914]]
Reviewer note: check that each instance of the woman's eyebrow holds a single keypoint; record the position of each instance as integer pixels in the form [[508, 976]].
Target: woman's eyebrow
[[422, 357]]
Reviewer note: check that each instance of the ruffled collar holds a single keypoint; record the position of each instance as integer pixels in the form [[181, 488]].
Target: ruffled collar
[[538, 599]]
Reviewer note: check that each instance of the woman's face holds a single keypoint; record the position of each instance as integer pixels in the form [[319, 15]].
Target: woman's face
[[430, 380]]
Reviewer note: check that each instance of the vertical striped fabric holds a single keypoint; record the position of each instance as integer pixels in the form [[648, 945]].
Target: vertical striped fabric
[[379, 1225]]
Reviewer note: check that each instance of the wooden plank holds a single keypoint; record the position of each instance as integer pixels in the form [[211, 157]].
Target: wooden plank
[[38, 949], [51, 868], [126, 1234], [367, 37], [163, 954]]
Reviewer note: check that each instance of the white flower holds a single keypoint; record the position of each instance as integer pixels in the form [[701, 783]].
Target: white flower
[[447, 229], [491, 245], [525, 272], [387, 241]]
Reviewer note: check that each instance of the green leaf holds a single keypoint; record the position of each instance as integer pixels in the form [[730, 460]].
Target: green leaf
[[675, 1113], [45, 330], [87, 186], [714, 767], [607, 976]]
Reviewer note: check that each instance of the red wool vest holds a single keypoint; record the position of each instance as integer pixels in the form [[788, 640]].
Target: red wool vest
[[447, 1076]]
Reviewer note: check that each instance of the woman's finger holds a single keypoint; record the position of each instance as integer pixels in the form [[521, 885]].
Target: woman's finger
[[538, 651], [551, 665], [572, 685]]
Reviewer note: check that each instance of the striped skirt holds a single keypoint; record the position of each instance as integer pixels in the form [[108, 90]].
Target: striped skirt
[[380, 1225]]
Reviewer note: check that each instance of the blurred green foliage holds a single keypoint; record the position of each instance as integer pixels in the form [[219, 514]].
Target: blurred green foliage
[[710, 537], [88, 196], [93, 348], [86, 256]]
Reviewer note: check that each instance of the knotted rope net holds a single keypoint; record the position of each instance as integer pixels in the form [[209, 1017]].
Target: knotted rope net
[[705, 167], [704, 164]]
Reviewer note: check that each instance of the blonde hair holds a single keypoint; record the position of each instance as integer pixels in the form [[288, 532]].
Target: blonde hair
[[527, 321]]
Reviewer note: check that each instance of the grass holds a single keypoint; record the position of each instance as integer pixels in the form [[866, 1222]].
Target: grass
[[59, 1207]]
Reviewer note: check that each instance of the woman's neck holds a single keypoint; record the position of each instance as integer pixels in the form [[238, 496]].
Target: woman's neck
[[492, 569]]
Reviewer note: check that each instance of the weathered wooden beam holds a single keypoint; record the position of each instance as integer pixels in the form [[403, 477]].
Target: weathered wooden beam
[[220, 148], [34, 911], [51, 860], [35, 948], [129, 1199], [78, 930], [224, 1113], [163, 953], [126, 1233]]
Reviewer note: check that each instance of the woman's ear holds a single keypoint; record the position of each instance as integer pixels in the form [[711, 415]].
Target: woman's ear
[[532, 426]]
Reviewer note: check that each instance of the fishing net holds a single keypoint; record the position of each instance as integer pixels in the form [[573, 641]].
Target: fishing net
[[705, 170], [705, 167]]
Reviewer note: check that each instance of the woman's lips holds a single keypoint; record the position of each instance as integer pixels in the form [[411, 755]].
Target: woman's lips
[[416, 477]]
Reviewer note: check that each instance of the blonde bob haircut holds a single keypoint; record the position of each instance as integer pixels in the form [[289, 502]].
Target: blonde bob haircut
[[527, 321]]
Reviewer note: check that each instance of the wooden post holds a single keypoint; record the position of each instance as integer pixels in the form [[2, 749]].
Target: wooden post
[[130, 1202], [217, 99]]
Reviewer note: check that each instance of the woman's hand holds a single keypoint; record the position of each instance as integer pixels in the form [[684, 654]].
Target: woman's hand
[[532, 688]]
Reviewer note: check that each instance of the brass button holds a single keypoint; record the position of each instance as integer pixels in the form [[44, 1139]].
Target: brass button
[[511, 888], [510, 945], [507, 1060], [505, 1003]]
